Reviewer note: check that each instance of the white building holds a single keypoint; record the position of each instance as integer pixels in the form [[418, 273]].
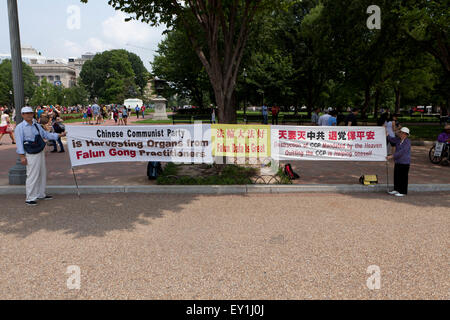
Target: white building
[[58, 71]]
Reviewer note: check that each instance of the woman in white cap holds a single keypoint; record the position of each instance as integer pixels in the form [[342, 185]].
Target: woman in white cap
[[402, 159], [30, 147]]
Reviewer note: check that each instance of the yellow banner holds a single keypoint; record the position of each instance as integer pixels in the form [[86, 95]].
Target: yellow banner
[[233, 140]]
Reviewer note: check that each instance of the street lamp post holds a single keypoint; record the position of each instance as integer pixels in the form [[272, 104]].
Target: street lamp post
[[17, 174]]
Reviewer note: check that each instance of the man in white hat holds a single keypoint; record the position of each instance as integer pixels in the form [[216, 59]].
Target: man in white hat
[[30, 147], [402, 159]]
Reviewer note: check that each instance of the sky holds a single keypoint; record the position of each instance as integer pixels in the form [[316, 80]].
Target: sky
[[69, 28]]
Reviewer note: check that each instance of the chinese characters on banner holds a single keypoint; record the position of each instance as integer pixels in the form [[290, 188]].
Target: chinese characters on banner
[[240, 141], [329, 143], [178, 144]]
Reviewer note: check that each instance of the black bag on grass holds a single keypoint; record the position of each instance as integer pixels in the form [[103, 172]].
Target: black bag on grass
[[289, 172], [153, 170]]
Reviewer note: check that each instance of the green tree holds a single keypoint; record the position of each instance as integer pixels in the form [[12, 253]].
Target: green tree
[[178, 63], [217, 30], [76, 95], [47, 94], [6, 84], [110, 76], [428, 24], [141, 74]]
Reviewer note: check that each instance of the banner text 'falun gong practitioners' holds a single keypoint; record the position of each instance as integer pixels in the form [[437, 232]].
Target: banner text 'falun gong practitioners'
[[178, 144]]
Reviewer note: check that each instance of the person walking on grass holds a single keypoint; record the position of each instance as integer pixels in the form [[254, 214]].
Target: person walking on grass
[[30, 147], [265, 114], [402, 159], [137, 110]]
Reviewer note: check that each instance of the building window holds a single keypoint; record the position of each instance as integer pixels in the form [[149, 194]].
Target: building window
[[57, 78], [50, 78]]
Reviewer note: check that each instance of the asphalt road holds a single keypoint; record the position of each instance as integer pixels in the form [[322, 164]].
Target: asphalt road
[[306, 246]]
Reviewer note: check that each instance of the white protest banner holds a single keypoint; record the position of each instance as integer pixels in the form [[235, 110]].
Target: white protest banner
[[179, 144], [329, 143]]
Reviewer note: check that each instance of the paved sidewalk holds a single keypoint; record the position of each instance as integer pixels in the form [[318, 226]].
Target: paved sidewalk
[[313, 246]]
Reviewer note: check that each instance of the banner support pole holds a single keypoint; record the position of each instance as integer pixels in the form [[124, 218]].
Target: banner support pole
[[387, 176], [76, 182]]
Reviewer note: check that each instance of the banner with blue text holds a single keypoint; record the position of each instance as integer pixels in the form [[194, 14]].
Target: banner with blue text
[[178, 144]]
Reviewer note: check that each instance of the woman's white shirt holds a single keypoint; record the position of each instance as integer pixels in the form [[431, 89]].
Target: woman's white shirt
[[389, 129], [4, 120]]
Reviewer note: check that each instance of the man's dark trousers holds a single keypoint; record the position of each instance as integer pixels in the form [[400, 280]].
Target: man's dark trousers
[[401, 178]]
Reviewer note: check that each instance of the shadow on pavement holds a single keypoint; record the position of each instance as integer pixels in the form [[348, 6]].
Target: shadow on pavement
[[88, 216], [416, 199]]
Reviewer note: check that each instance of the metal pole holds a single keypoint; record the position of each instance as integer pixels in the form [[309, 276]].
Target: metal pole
[[17, 174], [387, 176], [76, 182]]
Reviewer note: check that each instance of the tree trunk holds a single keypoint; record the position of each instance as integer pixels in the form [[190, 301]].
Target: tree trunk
[[397, 99], [226, 110], [309, 99], [366, 102], [377, 103]]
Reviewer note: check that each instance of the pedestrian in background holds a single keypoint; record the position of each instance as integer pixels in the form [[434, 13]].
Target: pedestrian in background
[[332, 120], [351, 120], [6, 126], [125, 115], [84, 116], [137, 110], [315, 117], [323, 119], [275, 113], [391, 127], [213, 115], [265, 114], [89, 114], [402, 159], [58, 127]]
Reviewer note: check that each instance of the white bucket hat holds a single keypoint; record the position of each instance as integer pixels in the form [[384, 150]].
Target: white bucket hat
[[26, 110], [405, 130]]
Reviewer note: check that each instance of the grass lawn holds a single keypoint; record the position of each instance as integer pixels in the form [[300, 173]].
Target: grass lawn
[[229, 175], [425, 132], [150, 121]]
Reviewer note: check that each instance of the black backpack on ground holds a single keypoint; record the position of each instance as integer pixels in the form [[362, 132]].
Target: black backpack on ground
[[154, 169], [289, 172]]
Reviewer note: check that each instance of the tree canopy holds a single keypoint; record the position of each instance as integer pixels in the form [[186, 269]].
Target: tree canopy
[[313, 53], [6, 82], [217, 30], [113, 76]]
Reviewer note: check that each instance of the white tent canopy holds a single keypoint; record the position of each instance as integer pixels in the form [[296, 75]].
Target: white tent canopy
[[133, 103]]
